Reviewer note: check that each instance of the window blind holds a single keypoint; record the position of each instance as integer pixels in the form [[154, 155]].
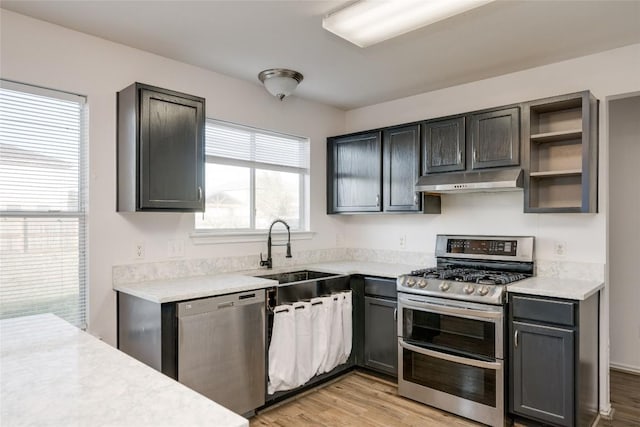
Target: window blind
[[256, 147], [43, 197]]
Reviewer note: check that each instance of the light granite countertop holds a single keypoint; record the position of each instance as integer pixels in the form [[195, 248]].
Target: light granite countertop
[[558, 288], [54, 374], [162, 291]]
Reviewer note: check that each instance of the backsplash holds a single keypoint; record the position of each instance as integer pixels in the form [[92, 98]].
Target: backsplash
[[175, 269], [570, 270]]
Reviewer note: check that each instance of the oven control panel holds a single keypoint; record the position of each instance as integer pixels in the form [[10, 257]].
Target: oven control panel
[[482, 247], [505, 248]]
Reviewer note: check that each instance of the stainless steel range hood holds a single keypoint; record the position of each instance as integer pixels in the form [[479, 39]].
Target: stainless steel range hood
[[469, 182]]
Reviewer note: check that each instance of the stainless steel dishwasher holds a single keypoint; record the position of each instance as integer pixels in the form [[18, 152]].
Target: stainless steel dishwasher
[[221, 349]]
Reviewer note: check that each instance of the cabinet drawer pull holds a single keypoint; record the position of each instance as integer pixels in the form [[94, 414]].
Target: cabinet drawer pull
[[416, 199], [378, 200], [515, 339], [199, 193]]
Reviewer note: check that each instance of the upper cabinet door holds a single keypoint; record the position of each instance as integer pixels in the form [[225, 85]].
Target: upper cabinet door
[[172, 154], [401, 162], [354, 173], [160, 150], [495, 138], [443, 145]]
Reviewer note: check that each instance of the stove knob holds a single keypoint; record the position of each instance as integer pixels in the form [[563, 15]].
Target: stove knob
[[469, 289], [422, 283], [483, 291], [444, 287], [411, 282]]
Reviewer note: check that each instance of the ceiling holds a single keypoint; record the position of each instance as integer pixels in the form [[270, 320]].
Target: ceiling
[[241, 38]]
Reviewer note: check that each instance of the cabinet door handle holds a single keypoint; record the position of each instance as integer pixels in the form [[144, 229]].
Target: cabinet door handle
[[475, 155], [416, 199], [515, 338], [378, 200], [395, 314], [199, 193], [459, 156]]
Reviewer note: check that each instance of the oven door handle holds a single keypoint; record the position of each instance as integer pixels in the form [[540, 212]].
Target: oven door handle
[[448, 309], [451, 358]]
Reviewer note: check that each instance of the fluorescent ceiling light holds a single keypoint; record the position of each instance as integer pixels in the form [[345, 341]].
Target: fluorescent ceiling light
[[367, 22]]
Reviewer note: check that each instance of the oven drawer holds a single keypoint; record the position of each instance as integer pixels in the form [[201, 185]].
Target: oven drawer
[[543, 310]]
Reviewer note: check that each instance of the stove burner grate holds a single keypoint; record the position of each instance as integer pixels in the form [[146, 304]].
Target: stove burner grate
[[471, 275]]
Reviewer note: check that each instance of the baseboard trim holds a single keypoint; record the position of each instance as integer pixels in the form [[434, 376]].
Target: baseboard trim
[[625, 368], [607, 414]]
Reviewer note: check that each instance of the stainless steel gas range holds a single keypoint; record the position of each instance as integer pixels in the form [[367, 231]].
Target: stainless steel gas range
[[451, 324]]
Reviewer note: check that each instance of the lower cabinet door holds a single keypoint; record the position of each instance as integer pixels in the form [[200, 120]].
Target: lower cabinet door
[[380, 335], [542, 376]]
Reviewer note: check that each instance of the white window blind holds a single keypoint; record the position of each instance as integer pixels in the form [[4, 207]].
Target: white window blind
[[256, 147], [42, 203], [254, 176]]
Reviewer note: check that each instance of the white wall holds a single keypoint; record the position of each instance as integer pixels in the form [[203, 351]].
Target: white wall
[[43, 54], [624, 232], [610, 72]]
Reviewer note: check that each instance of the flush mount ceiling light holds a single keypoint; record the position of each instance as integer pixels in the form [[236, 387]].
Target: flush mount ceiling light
[[367, 22], [280, 82]]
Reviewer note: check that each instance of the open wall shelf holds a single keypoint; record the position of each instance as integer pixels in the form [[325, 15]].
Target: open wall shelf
[[561, 154]]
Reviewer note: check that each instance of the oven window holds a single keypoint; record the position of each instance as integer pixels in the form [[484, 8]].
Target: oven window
[[451, 334], [467, 382]]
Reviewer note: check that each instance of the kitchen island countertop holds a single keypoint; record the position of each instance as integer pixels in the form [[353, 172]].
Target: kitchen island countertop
[[55, 374]]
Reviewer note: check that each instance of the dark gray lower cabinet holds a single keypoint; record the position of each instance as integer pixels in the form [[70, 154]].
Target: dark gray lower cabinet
[[380, 335], [380, 330], [553, 354], [543, 369]]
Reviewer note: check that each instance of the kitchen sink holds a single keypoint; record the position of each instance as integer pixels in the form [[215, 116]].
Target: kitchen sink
[[297, 276]]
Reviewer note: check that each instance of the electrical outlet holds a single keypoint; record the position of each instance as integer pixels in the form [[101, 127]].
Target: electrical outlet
[[175, 248], [560, 248], [138, 250], [403, 241]]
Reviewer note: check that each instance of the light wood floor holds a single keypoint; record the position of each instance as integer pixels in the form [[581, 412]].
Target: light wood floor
[[625, 399], [359, 399]]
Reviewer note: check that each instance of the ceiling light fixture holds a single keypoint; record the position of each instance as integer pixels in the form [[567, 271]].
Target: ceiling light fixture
[[280, 82], [367, 22]]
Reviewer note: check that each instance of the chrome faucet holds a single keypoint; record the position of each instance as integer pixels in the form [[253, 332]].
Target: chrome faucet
[[269, 262]]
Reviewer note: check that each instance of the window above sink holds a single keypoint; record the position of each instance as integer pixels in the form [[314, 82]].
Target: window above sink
[[253, 176]]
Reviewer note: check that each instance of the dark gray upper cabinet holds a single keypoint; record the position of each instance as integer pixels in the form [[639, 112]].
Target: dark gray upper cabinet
[[495, 138], [443, 145], [553, 351], [401, 162], [160, 150], [354, 173], [561, 154]]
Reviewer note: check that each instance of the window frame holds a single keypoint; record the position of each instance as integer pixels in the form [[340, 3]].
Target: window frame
[[226, 235], [81, 214]]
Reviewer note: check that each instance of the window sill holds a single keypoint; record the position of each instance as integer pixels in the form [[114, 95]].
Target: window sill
[[214, 238]]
